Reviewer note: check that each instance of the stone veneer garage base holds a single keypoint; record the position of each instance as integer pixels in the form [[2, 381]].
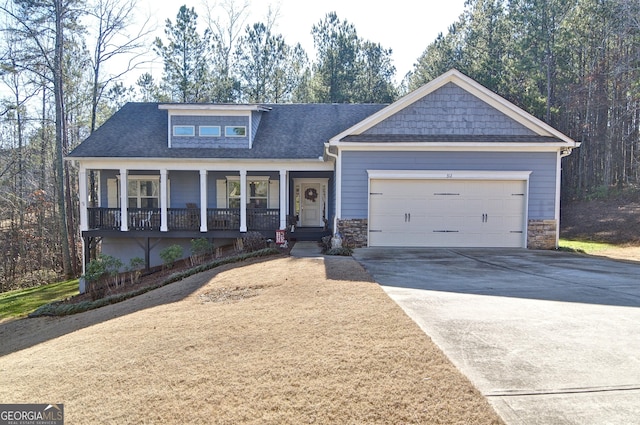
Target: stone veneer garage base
[[541, 234], [354, 232]]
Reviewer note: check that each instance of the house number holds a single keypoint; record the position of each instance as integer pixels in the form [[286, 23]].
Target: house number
[[449, 175]]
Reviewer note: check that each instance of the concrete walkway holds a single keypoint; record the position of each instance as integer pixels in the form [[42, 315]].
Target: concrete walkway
[[306, 249], [547, 337]]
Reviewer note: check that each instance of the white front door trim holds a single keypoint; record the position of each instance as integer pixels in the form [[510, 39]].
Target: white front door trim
[[323, 199]]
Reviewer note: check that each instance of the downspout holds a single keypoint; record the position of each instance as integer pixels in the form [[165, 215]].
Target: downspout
[[561, 154], [338, 203]]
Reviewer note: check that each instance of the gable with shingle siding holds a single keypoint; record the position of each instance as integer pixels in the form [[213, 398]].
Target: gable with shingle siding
[[450, 110]]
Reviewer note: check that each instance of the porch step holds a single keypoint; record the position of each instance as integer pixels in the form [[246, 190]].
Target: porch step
[[308, 234]]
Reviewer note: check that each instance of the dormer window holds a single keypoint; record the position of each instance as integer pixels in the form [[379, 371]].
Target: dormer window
[[184, 130], [235, 131], [209, 131], [212, 126]]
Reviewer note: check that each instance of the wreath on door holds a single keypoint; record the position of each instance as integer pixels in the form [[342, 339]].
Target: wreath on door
[[311, 194]]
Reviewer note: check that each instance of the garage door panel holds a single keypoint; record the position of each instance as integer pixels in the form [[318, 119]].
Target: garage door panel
[[454, 213]]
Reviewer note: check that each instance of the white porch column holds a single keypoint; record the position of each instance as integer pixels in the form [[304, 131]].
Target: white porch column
[[284, 202], [243, 200], [203, 200], [124, 199], [82, 182], [164, 201]]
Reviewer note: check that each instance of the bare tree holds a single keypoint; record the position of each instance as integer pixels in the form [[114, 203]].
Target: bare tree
[[225, 28], [112, 20], [41, 26]]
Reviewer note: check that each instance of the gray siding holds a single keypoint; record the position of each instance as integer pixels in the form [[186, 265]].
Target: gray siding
[[104, 191], [542, 183], [450, 110], [184, 188], [256, 117], [210, 142]]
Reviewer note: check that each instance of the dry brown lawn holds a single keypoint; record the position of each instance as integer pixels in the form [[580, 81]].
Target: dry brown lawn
[[278, 341]]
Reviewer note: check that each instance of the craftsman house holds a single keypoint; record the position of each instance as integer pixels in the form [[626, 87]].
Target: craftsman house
[[451, 164]]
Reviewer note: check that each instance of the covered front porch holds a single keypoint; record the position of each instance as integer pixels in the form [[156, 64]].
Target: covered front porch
[[215, 201]]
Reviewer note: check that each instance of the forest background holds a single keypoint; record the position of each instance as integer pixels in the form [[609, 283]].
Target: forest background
[[575, 64]]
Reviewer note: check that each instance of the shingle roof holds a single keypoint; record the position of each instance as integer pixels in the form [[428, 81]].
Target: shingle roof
[[288, 131]]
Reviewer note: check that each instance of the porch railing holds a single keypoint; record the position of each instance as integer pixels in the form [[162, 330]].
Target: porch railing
[[104, 218], [223, 218], [183, 218], [263, 218], [143, 218]]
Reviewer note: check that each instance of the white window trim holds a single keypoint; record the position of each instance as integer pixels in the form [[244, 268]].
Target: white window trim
[[192, 127], [226, 127], [209, 135], [249, 179], [143, 177]]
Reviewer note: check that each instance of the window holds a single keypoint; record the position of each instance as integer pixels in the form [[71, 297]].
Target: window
[[233, 190], [235, 131], [209, 131], [143, 193], [257, 193], [184, 130]]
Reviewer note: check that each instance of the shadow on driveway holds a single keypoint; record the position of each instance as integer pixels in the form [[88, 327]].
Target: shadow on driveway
[[544, 275]]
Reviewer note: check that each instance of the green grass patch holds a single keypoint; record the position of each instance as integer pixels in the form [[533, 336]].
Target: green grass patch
[[585, 247], [21, 302]]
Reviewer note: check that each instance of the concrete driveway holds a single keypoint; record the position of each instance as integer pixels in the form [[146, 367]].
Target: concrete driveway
[[548, 337]]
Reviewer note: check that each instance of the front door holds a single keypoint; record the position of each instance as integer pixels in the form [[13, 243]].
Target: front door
[[311, 205]]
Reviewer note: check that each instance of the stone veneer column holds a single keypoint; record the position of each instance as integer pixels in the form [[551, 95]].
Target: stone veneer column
[[354, 232], [541, 234]]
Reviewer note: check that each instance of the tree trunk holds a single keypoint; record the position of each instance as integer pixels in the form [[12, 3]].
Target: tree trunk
[[58, 88]]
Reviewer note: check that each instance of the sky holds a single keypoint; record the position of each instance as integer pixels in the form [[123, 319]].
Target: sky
[[405, 26]]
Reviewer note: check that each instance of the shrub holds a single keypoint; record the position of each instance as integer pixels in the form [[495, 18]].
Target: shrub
[[237, 245], [99, 272], [253, 241], [170, 255], [200, 248], [135, 269], [344, 251]]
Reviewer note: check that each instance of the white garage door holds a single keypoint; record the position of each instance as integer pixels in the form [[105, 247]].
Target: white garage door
[[447, 213]]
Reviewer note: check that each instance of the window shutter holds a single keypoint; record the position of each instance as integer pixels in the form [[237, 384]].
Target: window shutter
[[221, 193], [112, 193], [274, 194]]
